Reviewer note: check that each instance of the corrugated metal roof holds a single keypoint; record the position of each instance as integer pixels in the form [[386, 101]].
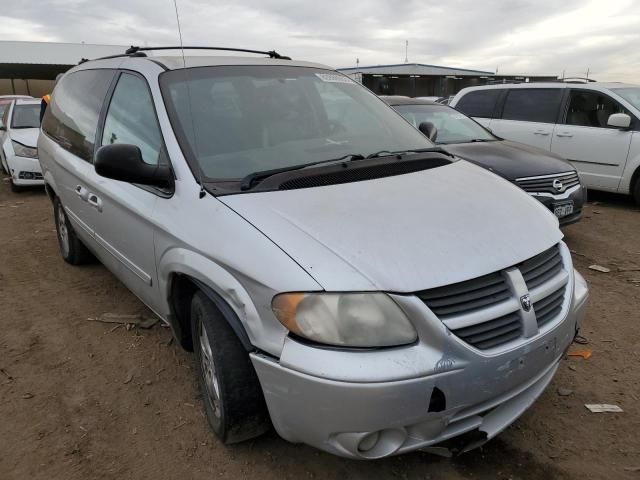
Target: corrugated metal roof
[[415, 69], [53, 53]]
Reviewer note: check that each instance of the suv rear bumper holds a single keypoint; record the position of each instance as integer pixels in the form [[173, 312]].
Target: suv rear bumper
[[467, 393]]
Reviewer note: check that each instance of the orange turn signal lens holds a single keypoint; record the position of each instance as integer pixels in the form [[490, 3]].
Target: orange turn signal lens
[[284, 307]]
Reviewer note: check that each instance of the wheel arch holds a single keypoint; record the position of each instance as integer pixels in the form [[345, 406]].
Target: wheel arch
[[182, 289]]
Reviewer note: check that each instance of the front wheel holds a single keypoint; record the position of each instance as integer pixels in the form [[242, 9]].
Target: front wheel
[[231, 391], [72, 249], [15, 188]]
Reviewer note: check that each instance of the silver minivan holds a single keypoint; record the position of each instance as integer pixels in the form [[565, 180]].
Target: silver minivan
[[336, 274]]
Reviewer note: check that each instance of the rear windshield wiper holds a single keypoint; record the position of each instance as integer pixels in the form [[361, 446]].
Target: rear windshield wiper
[[249, 180]]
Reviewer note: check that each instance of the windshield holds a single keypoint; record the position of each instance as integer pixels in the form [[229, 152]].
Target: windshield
[[451, 125], [26, 116], [236, 120], [631, 95]]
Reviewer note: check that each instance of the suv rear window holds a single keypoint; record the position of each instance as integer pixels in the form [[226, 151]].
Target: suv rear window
[[532, 104], [479, 103], [72, 117]]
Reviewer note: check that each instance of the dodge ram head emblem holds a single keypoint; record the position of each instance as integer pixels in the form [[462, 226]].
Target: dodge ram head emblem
[[525, 301], [558, 185]]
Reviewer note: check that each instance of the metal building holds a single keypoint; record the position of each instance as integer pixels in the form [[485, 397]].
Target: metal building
[[420, 80], [30, 68]]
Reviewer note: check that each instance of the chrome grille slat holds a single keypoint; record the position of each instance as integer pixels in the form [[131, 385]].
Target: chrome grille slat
[[466, 296], [486, 326], [542, 267], [485, 313], [550, 306]]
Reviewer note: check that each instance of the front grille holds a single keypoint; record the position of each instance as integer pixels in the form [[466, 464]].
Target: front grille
[[492, 333], [466, 296], [485, 312], [30, 175], [542, 267], [545, 184], [549, 307]]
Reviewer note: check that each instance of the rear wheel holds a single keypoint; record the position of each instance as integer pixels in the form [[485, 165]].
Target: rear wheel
[[72, 249], [231, 392], [635, 190]]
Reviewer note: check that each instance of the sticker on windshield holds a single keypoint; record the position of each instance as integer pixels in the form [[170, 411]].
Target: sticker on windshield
[[333, 78]]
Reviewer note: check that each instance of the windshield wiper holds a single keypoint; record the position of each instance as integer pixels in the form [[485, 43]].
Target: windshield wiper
[[248, 181], [474, 140]]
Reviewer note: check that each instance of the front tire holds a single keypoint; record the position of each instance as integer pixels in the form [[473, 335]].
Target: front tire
[[72, 249], [231, 391], [15, 188]]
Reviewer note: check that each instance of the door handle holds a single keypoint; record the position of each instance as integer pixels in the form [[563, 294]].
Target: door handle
[[82, 192], [565, 134], [95, 201], [541, 132]]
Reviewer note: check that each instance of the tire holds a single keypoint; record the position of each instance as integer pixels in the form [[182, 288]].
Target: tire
[[72, 249], [635, 191], [15, 188], [230, 388]]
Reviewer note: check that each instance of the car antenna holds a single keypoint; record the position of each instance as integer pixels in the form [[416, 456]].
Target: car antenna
[[203, 192]]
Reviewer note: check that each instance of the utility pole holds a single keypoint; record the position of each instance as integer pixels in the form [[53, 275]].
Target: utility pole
[[406, 51], [588, 69]]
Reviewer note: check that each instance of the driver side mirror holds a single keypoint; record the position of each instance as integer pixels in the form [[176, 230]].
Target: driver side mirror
[[619, 120], [124, 162], [429, 130]]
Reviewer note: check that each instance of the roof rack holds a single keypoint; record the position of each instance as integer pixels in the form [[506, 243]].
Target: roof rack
[[577, 80], [135, 51]]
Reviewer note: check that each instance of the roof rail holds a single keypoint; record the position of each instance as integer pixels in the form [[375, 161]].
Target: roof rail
[[135, 51], [271, 53], [577, 80]]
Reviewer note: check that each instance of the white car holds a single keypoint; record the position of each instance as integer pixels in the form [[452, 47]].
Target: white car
[[596, 126], [19, 138]]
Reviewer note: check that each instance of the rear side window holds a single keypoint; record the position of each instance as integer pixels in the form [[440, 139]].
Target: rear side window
[[72, 117], [532, 104], [479, 103]]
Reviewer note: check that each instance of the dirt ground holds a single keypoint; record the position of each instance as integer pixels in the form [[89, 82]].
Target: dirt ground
[[84, 400]]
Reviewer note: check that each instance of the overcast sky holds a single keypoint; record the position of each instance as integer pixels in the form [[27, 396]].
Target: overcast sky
[[516, 36]]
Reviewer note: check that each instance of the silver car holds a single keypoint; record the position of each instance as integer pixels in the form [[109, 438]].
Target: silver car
[[335, 273]]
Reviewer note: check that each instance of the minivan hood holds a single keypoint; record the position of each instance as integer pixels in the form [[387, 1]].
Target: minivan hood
[[26, 136], [403, 233], [509, 159]]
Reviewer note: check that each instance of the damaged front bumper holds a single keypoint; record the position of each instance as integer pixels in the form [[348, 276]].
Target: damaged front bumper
[[439, 395]]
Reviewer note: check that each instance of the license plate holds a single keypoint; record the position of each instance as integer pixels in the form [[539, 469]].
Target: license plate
[[563, 209]]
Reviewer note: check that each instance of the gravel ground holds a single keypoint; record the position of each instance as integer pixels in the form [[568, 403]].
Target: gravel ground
[[82, 399]]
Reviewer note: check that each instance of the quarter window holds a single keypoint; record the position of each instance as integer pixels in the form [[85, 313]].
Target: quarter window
[[131, 118], [532, 104], [72, 117], [479, 103], [591, 109]]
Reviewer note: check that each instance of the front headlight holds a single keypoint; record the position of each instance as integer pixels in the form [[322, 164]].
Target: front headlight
[[24, 151], [345, 319]]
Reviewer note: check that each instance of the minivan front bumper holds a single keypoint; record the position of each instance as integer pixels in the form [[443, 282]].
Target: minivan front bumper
[[372, 404]]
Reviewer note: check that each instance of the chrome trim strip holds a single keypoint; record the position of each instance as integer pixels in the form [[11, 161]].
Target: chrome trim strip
[[563, 196], [552, 175]]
